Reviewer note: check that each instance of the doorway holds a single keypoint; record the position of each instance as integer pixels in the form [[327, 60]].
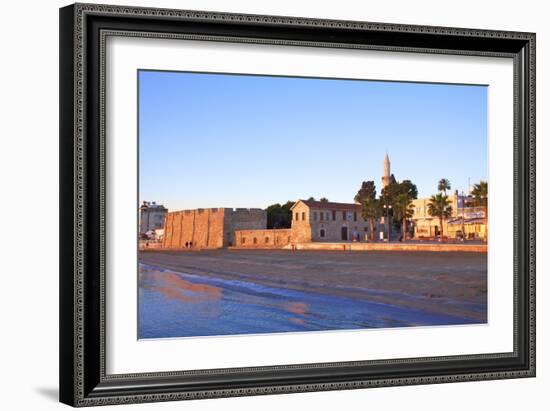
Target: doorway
[[344, 233]]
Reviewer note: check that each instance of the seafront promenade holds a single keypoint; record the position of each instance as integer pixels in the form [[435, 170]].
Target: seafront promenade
[[382, 246], [422, 246]]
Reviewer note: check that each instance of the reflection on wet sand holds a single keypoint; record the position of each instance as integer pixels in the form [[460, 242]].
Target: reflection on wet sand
[[175, 304], [174, 287]]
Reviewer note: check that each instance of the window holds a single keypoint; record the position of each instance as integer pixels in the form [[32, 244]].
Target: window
[[333, 215], [296, 217], [328, 216], [303, 216], [344, 215], [322, 216], [267, 240], [355, 216], [322, 233], [243, 240], [315, 216], [255, 240]]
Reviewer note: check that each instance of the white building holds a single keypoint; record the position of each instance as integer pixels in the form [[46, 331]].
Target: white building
[[151, 217]]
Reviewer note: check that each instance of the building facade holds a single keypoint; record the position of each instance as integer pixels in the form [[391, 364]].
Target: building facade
[[151, 217], [327, 221], [312, 221], [466, 220], [210, 227]]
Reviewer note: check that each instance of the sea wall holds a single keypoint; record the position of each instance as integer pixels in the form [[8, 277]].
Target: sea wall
[[477, 248]]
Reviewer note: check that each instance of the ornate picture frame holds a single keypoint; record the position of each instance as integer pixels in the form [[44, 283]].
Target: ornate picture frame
[[84, 29]]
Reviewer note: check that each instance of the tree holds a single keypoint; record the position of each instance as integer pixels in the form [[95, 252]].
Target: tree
[[371, 210], [399, 196], [389, 193], [323, 200], [480, 195], [440, 206], [407, 187], [279, 216], [311, 199], [403, 210], [367, 191], [443, 185]]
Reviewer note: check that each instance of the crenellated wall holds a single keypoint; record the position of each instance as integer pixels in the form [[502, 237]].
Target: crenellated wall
[[209, 227]]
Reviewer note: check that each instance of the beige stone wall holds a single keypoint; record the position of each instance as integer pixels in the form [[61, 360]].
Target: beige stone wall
[[272, 238], [301, 227], [242, 219], [201, 228], [209, 227], [341, 225], [308, 224]]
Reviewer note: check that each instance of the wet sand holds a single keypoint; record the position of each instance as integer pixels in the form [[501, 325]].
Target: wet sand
[[450, 283]]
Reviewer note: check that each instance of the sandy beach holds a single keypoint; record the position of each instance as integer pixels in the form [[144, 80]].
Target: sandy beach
[[450, 283]]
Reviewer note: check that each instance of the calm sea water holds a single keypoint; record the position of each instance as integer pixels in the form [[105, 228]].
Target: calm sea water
[[175, 304]]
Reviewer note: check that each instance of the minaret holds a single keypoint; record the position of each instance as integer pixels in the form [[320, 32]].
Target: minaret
[[386, 175]]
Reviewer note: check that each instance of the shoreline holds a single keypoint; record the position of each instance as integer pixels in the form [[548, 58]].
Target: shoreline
[[433, 290]]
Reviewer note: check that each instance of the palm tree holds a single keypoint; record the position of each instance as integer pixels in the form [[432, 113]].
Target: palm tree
[[403, 209], [371, 211], [440, 206], [480, 194], [443, 185]]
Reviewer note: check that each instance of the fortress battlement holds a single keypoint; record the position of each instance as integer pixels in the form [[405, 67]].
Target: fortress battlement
[[246, 210], [210, 227], [227, 210]]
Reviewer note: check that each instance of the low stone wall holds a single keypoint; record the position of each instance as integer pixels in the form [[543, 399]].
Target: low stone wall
[[476, 248], [262, 239], [149, 245]]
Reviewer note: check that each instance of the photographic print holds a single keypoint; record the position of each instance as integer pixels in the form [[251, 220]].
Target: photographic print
[[272, 204], [338, 204]]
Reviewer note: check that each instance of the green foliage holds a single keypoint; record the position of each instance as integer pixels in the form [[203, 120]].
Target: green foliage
[[480, 194], [399, 196], [279, 216], [323, 200], [392, 191], [440, 206], [367, 191], [403, 208], [371, 210], [443, 185]]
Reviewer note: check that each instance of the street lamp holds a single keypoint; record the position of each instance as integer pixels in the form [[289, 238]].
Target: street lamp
[[387, 208]]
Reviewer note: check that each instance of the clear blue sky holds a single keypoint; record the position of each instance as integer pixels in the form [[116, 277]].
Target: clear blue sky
[[216, 140]]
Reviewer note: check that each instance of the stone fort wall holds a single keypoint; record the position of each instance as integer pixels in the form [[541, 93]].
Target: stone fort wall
[[209, 227], [268, 238]]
